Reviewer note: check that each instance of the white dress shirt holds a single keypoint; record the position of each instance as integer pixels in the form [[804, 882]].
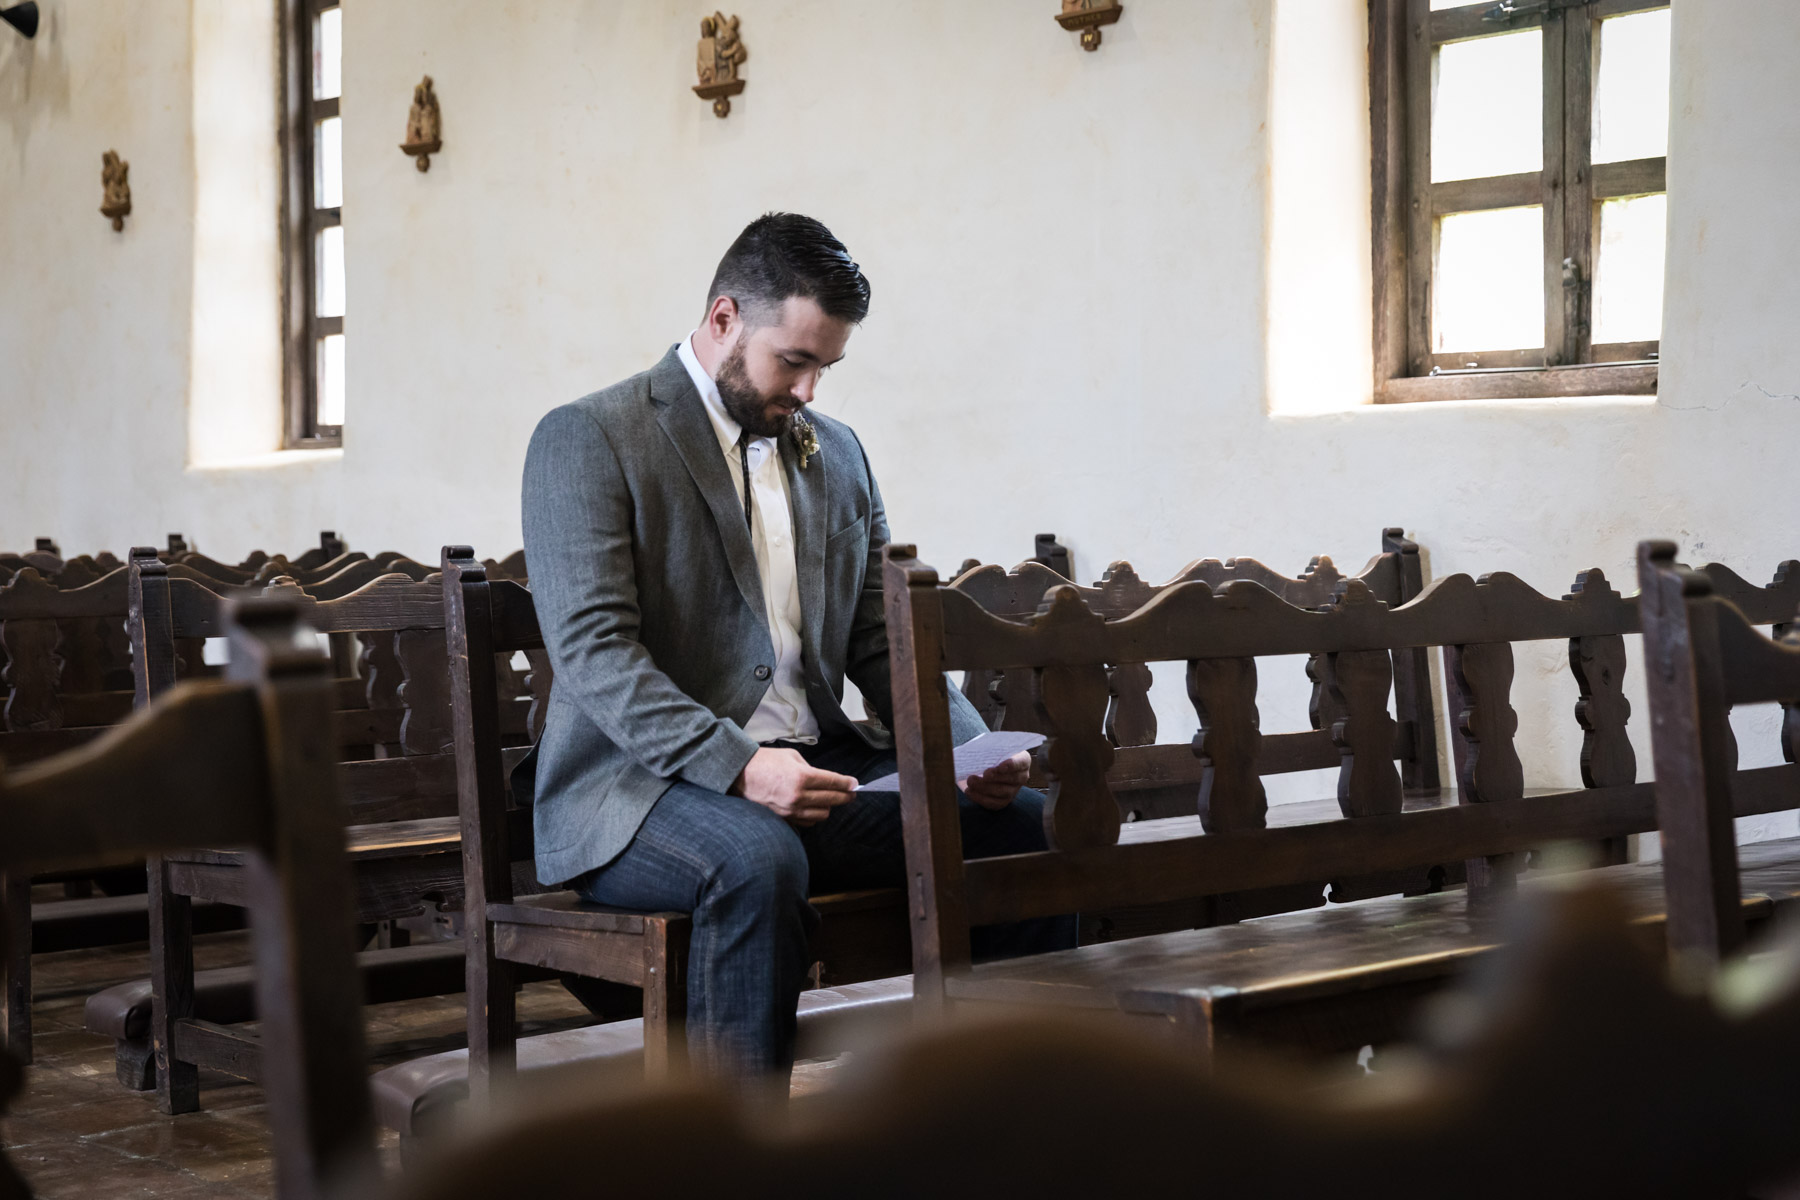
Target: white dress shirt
[[784, 713]]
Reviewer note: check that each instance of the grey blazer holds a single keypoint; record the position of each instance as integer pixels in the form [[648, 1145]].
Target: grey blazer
[[647, 590]]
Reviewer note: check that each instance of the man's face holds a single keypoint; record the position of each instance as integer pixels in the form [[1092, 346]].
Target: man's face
[[772, 371]]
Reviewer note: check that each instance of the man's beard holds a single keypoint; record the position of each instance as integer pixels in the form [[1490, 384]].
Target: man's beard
[[747, 406]]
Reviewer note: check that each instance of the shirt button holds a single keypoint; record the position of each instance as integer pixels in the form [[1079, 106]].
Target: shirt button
[[762, 672]]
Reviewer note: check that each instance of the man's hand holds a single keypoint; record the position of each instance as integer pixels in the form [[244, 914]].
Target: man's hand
[[999, 784], [782, 782]]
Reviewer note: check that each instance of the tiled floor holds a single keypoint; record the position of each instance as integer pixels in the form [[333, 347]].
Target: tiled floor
[[76, 1133]]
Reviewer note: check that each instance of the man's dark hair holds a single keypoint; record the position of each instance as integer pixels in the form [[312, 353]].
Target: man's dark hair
[[783, 255]]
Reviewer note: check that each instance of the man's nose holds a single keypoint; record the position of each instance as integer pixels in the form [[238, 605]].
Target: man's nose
[[803, 387]]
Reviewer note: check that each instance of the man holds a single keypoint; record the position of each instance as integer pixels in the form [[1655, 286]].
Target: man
[[705, 558]]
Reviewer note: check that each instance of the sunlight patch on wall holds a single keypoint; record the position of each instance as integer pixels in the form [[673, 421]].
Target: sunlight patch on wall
[[1320, 357], [234, 391]]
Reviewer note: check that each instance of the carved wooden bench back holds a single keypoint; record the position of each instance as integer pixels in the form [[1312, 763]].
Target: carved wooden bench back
[[1065, 651], [63, 659], [401, 700], [1393, 576]]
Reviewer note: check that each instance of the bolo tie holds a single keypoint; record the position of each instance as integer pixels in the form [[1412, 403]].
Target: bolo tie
[[744, 465]]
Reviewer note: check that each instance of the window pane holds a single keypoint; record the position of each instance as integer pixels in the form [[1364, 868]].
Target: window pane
[[1487, 110], [1631, 99], [328, 55], [1628, 280], [1489, 282], [328, 165], [331, 380], [330, 267]]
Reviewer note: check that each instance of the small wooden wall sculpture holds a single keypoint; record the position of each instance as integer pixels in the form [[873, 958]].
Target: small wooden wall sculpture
[[115, 178], [1088, 16], [424, 126], [720, 55]]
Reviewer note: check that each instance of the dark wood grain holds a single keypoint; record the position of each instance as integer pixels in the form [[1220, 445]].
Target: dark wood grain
[[1072, 701], [1130, 718], [1368, 784], [1229, 743]]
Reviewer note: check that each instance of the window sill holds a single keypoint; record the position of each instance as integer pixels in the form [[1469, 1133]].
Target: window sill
[[1599, 379], [273, 459]]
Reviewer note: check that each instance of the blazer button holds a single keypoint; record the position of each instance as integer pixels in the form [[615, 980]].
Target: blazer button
[[763, 672]]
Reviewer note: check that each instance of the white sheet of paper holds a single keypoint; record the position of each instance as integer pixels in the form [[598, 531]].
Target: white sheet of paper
[[972, 757]]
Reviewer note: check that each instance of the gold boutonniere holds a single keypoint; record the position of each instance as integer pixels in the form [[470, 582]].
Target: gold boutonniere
[[806, 438]]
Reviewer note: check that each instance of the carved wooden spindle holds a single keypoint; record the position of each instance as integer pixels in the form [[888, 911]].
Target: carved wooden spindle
[[1071, 701], [978, 689], [1324, 709], [1487, 764], [1787, 633], [33, 673], [380, 671], [1479, 679], [424, 691], [1598, 664], [1130, 719], [1368, 784], [1014, 703], [1223, 691]]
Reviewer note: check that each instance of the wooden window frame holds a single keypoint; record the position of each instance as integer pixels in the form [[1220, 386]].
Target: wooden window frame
[[301, 222], [1403, 35]]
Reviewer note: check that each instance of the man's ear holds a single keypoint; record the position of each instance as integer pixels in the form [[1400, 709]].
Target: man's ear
[[722, 318]]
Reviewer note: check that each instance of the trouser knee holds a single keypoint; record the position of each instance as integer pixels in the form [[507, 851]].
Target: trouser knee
[[767, 872]]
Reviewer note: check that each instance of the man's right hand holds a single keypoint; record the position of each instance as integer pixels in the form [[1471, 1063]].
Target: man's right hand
[[782, 782]]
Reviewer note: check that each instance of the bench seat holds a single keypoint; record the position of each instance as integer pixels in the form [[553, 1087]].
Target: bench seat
[[396, 865], [416, 1097], [1324, 980]]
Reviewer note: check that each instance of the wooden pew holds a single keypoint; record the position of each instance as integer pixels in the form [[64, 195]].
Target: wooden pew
[[1573, 1071], [66, 660], [1702, 657], [235, 763], [369, 704], [404, 846], [419, 1093], [1321, 981], [1166, 787]]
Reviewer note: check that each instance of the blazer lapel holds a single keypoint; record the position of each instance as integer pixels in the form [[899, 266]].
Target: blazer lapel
[[808, 491], [682, 414]]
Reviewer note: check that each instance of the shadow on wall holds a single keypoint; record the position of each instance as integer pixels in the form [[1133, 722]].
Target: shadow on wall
[[34, 76]]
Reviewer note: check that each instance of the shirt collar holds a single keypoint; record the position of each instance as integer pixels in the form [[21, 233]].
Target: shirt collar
[[728, 429]]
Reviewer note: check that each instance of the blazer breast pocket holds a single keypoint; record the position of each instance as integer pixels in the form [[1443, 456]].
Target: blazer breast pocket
[[851, 534]]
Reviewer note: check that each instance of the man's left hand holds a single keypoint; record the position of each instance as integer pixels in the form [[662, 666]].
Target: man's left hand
[[999, 784]]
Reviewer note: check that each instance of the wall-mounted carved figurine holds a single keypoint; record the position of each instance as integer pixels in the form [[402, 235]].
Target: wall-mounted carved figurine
[[721, 54], [424, 128], [115, 175], [1088, 16]]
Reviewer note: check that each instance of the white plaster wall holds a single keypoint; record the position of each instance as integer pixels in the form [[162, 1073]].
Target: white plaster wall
[[97, 327], [1075, 289]]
